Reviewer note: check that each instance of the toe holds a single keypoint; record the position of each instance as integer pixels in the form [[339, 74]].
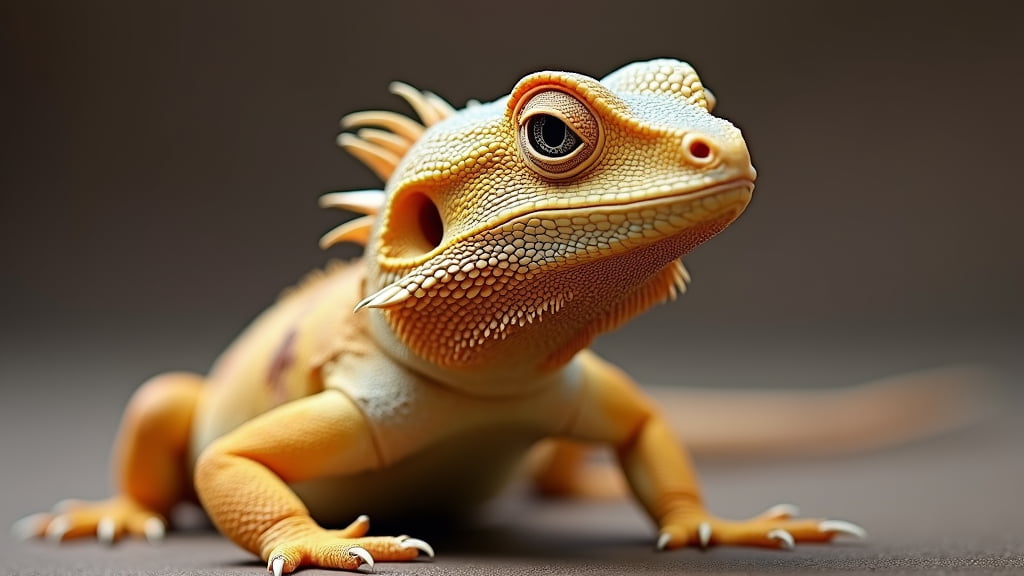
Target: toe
[[58, 528], [780, 512], [32, 526], [842, 528], [704, 532], [416, 543], [357, 529], [153, 528], [276, 565], [783, 537], [108, 530], [362, 554]]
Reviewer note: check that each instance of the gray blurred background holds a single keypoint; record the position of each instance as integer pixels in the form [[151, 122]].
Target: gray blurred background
[[162, 162]]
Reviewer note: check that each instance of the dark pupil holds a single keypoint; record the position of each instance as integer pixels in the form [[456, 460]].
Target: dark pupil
[[550, 137], [553, 131]]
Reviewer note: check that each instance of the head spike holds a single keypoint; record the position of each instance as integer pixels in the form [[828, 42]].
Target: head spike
[[387, 297], [680, 276], [427, 113], [388, 140], [405, 127], [443, 108], [360, 201], [382, 161], [356, 231]]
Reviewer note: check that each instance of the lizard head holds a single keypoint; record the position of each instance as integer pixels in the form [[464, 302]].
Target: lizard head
[[511, 233]]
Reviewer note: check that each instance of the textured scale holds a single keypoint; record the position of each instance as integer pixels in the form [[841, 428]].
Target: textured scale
[[510, 224]]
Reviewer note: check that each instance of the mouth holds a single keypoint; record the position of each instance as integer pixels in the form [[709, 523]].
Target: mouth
[[655, 215], [738, 186], [577, 234]]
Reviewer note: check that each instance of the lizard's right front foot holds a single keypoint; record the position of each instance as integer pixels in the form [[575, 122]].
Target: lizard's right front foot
[[346, 549], [107, 520]]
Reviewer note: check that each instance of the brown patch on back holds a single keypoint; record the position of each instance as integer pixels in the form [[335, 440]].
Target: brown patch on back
[[284, 358]]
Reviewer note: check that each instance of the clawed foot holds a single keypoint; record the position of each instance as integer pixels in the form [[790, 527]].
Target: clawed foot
[[346, 549], [107, 520], [775, 528]]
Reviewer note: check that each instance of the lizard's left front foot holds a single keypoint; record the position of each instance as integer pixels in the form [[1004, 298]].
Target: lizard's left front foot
[[775, 528]]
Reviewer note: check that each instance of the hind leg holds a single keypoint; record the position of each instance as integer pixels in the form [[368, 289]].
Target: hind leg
[[150, 469], [565, 469]]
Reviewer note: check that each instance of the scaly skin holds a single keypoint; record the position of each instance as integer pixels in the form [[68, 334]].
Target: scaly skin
[[508, 236]]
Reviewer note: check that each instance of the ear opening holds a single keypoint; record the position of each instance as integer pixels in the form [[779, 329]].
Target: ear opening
[[415, 225]]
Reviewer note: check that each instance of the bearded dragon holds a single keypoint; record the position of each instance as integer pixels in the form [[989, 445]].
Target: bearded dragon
[[508, 236]]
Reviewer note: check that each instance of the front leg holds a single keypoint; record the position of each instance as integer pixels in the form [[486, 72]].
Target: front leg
[[662, 476], [242, 481]]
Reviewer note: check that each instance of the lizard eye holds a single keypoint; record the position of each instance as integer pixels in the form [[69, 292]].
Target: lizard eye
[[559, 135], [550, 137]]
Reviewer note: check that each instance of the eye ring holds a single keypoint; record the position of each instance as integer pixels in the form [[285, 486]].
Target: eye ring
[[559, 134]]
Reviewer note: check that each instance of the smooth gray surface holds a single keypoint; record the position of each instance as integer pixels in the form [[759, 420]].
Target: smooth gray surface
[[947, 505]]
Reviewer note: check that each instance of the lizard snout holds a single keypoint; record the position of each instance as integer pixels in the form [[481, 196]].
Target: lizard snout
[[703, 151]]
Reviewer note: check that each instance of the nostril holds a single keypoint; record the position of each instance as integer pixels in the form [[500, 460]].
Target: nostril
[[698, 149]]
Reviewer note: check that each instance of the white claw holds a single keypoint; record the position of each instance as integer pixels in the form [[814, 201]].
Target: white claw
[[704, 534], [105, 530], [362, 554], [276, 565], [843, 527], [783, 537], [154, 529], [781, 512], [664, 540], [65, 505], [26, 528], [58, 527], [417, 544]]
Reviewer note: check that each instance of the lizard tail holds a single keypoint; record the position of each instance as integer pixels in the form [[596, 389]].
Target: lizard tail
[[890, 411]]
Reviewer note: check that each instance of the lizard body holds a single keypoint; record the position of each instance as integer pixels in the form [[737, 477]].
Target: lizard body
[[508, 235]]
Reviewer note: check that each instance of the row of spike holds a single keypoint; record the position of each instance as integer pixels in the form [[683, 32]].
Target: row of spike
[[381, 151]]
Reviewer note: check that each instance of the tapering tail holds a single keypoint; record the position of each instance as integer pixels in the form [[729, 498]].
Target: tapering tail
[[890, 411]]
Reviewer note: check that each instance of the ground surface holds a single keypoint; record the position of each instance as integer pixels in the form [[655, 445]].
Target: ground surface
[[946, 505]]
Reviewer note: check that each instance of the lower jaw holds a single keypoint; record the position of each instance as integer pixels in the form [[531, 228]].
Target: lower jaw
[[599, 292], [593, 297]]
